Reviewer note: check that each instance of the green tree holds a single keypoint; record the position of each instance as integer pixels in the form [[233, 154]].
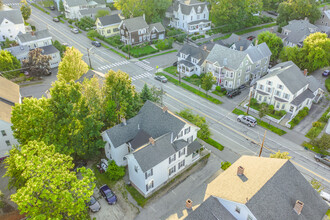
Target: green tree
[[2, 204], [130, 8], [157, 94], [9, 65], [72, 67], [115, 172], [60, 47], [296, 10], [146, 94], [263, 111], [101, 13], [279, 155], [323, 143], [37, 63], [8, 43], [225, 165], [49, 189], [208, 80], [61, 6], [316, 185], [25, 9], [271, 4], [274, 43]]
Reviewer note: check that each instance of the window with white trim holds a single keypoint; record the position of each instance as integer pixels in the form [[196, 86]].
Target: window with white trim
[[171, 158], [187, 130], [150, 185], [8, 143], [269, 83], [260, 97], [171, 170], [248, 69], [182, 152], [279, 86], [181, 164], [269, 90], [3, 132], [261, 87], [286, 95], [148, 173], [249, 217], [278, 93]]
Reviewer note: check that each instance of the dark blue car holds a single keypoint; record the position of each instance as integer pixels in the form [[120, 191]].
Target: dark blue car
[[109, 196]]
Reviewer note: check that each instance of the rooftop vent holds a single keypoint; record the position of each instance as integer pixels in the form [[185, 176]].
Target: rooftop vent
[[298, 207], [240, 171], [165, 109], [123, 120], [224, 61], [152, 141]]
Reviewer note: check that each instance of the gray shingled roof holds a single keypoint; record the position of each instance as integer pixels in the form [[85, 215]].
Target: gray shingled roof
[[14, 16], [314, 84], [187, 5], [244, 43], [300, 29], [18, 50], [195, 52], [50, 49], [290, 74], [72, 3], [36, 36], [151, 155], [276, 199], [133, 24], [232, 39], [198, 22], [110, 19], [193, 146], [93, 11], [210, 209], [307, 94], [151, 119], [259, 52], [226, 56], [186, 63], [140, 139], [158, 26]]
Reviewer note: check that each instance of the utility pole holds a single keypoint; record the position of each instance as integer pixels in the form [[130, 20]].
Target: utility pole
[[161, 96], [89, 58], [262, 144], [247, 111]]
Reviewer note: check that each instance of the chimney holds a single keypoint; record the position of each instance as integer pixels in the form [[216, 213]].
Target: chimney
[[306, 19], [144, 16], [256, 42], [240, 171], [123, 120], [239, 38], [152, 141], [298, 207], [205, 47], [305, 72], [241, 48], [272, 30], [32, 33], [165, 109]]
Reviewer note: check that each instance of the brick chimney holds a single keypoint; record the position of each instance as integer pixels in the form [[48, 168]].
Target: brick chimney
[[241, 48], [123, 120], [240, 171], [298, 207], [32, 33], [152, 141], [165, 109], [256, 42], [239, 38], [205, 47], [305, 72]]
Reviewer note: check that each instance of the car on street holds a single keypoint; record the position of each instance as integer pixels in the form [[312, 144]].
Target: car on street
[[250, 38], [175, 63], [94, 205], [96, 43], [56, 19], [242, 87], [109, 196], [326, 73], [75, 30], [52, 8], [163, 79], [323, 159], [248, 120], [233, 93]]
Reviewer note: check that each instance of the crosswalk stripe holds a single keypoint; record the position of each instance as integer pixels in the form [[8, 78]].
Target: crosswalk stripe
[[146, 61]]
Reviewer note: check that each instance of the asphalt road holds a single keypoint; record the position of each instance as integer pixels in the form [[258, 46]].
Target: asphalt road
[[223, 124]]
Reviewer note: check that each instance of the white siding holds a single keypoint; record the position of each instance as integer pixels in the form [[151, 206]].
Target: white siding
[[231, 207], [4, 149], [137, 178], [119, 153], [10, 30]]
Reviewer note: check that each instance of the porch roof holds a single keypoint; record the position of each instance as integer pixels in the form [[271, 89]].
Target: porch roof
[[199, 22], [302, 97], [192, 147], [186, 63], [262, 93], [280, 100]]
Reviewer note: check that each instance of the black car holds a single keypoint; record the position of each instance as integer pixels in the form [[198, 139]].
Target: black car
[[175, 63], [242, 87], [233, 93], [109, 196], [56, 19], [163, 79], [96, 43]]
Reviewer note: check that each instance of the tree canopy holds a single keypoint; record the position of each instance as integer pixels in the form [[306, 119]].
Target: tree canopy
[[37, 63], [208, 80], [25, 9], [101, 13], [7, 63], [323, 143], [72, 67], [47, 188], [279, 155], [274, 43]]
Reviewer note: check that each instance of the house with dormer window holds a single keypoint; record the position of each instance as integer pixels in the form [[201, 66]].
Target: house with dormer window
[[76, 9], [156, 145], [11, 24], [137, 31], [189, 15]]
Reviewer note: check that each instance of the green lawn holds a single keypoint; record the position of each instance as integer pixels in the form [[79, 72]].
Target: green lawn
[[48, 3], [222, 38], [40, 8], [194, 79], [101, 178], [171, 69], [142, 51], [316, 149], [141, 201], [171, 51], [318, 126], [324, 4], [114, 41], [255, 29], [214, 143], [327, 84]]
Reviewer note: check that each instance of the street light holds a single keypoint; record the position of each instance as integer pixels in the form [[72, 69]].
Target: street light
[[89, 58]]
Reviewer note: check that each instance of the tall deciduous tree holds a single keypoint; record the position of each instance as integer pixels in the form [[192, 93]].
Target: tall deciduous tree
[[208, 81], [274, 43], [271, 4], [72, 67], [317, 185], [279, 155], [48, 189], [25, 9], [101, 13], [37, 63], [323, 142], [61, 6], [8, 63], [296, 10], [130, 8]]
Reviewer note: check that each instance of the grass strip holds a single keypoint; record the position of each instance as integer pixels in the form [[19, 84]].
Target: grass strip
[[255, 29], [222, 38], [214, 143], [171, 51], [62, 21], [318, 125], [266, 125], [171, 70], [191, 89], [40, 8]]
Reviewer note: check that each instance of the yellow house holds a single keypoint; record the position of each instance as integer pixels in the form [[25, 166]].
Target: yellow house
[[108, 25]]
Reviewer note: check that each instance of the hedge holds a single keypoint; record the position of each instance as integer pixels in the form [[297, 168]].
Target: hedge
[[300, 116], [225, 165], [214, 143], [318, 125]]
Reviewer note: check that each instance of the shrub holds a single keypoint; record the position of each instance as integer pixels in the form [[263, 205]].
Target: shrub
[[33, 28], [70, 21], [317, 124], [300, 116], [327, 84], [225, 165], [85, 23], [194, 38], [115, 172], [218, 88], [164, 44]]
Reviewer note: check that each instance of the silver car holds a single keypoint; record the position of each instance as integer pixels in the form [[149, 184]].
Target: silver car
[[94, 205], [75, 30], [248, 120], [323, 159]]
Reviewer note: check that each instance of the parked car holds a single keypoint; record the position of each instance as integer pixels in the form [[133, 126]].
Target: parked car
[[242, 87], [109, 196], [175, 63], [75, 30], [96, 43], [163, 79], [248, 120], [94, 205], [52, 8], [250, 38], [326, 73], [233, 93], [79, 164], [325, 196], [56, 19], [323, 159]]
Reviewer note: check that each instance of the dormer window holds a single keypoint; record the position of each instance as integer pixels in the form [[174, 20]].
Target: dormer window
[[199, 9]]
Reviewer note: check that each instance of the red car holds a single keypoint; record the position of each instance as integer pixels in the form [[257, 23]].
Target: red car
[[251, 38]]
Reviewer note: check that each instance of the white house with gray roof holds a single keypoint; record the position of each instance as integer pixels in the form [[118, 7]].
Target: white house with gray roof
[[11, 23], [296, 31], [74, 9], [287, 88], [20, 52], [233, 68], [325, 17], [189, 15], [156, 145]]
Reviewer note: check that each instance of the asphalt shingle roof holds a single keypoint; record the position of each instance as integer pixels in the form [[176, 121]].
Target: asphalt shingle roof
[[195, 52], [37, 35], [259, 52], [18, 50], [193, 146], [244, 43], [14, 16], [158, 26], [140, 139], [232, 39], [110, 19], [314, 84], [300, 29], [187, 5], [72, 3], [50, 49], [307, 94], [133, 24]]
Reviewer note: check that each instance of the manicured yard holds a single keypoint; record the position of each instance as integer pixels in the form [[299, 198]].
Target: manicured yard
[[222, 38], [46, 3], [214, 143], [318, 125], [114, 41], [269, 109], [40, 8], [142, 51], [171, 70], [156, 55], [194, 79], [316, 149], [255, 29]]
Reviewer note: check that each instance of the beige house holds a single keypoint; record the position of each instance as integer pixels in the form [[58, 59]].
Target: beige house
[[108, 25], [325, 17]]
